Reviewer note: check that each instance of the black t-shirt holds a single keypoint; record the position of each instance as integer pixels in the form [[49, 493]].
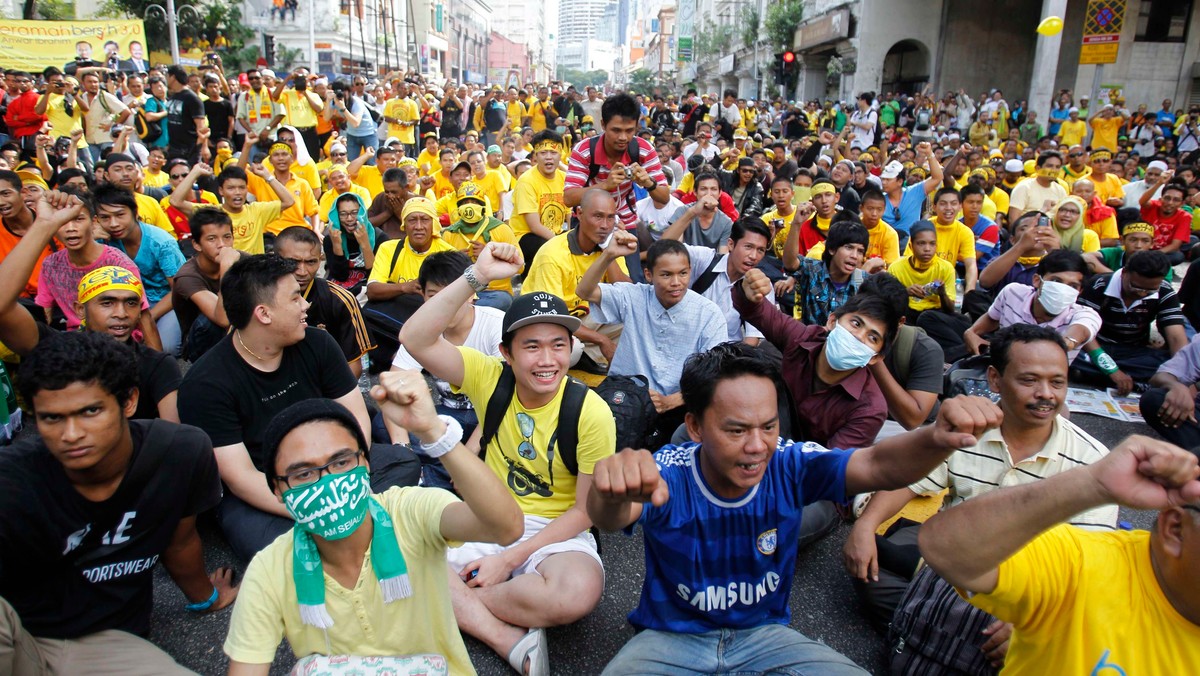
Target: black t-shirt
[[451, 120], [189, 280], [72, 567], [218, 114], [158, 376], [336, 310], [233, 401], [183, 107]]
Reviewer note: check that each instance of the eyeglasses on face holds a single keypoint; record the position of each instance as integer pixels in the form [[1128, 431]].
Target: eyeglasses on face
[[341, 463], [178, 176]]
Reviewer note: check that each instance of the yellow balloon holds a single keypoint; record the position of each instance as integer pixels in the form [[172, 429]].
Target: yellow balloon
[[1051, 25]]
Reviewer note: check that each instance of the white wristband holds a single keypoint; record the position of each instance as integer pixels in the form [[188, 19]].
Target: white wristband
[[450, 438]]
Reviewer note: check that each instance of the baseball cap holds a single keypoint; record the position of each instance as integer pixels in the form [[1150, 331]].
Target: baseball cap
[[494, 150], [892, 170], [538, 307], [1014, 166]]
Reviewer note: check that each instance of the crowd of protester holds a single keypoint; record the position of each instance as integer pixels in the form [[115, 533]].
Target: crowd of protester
[[806, 312]]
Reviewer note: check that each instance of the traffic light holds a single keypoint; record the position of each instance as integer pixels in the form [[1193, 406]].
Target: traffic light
[[785, 67], [269, 49]]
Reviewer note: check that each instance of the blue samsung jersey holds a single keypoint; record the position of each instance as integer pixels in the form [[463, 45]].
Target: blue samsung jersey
[[728, 564]]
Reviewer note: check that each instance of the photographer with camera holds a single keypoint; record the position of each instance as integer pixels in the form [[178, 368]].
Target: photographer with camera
[[60, 103], [301, 107], [1187, 134]]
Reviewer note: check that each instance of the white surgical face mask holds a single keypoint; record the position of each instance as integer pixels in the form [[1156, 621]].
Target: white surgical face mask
[[844, 351], [1056, 297]]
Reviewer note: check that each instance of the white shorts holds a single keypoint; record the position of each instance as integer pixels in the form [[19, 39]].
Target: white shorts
[[460, 557]]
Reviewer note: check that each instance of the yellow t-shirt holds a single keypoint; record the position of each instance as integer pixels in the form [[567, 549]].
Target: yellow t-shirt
[[884, 243], [405, 110], [441, 185], [149, 211], [1089, 603], [330, 196], [155, 179], [369, 177], [1111, 187], [397, 267], [250, 223], [536, 194], [492, 185], [447, 206], [955, 242], [363, 625], [1104, 132], [1072, 133], [62, 124], [307, 172], [537, 114], [1000, 199], [546, 487], [556, 270], [427, 163], [298, 112], [297, 214], [516, 113], [781, 234], [1105, 229], [939, 270], [462, 242]]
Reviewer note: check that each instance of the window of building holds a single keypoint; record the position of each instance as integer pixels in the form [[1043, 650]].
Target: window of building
[[1163, 20]]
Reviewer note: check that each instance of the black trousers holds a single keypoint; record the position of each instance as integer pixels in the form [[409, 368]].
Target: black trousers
[[1187, 435]]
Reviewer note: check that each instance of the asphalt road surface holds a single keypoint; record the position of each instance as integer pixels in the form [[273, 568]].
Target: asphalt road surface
[[823, 603]]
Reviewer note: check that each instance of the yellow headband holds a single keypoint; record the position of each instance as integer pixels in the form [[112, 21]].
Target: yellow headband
[[1139, 226], [866, 157], [547, 145], [1049, 173], [1101, 155], [281, 146], [822, 188], [108, 278], [338, 167], [407, 162]]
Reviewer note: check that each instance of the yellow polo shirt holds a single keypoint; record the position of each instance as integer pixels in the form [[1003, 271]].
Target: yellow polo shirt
[[555, 269], [297, 214], [298, 112]]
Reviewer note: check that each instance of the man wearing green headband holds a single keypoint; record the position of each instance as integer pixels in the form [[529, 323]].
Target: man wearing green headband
[[312, 585]]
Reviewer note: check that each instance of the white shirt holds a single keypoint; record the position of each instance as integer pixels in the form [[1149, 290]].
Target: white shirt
[[658, 219], [718, 292], [484, 336]]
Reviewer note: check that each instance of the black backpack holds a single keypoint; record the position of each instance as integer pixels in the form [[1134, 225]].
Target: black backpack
[[566, 435], [632, 408]]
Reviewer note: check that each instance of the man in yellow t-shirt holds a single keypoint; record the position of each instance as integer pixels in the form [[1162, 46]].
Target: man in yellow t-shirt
[[1108, 186], [1073, 130], [302, 106], [392, 287], [411, 628], [1105, 124], [447, 159], [371, 177], [53, 103], [303, 211], [929, 279], [488, 180], [884, 241], [955, 241], [780, 218], [516, 110], [536, 345], [250, 220], [427, 161], [541, 109], [1120, 602], [539, 213], [339, 184], [402, 115]]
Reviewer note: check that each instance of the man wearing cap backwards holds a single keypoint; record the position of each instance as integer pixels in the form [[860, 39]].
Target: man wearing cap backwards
[[392, 288], [497, 599], [472, 231], [250, 220], [1042, 191], [108, 300], [309, 586], [270, 360], [78, 577]]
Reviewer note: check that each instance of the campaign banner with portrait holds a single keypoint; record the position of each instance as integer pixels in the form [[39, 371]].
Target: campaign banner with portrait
[[34, 45]]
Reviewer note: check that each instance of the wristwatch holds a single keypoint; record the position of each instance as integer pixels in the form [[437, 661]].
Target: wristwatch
[[469, 275]]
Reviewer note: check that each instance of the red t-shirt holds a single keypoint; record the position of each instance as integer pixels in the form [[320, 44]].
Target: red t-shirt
[[1166, 228]]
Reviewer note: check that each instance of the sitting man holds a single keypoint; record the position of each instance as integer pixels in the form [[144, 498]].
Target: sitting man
[[1049, 301], [250, 219], [1169, 406], [196, 289], [1029, 372], [929, 280], [475, 227], [707, 605], [1172, 224], [821, 285], [1122, 602], [75, 595], [270, 360], [1135, 237], [1127, 300], [351, 243], [310, 586], [714, 274], [665, 323], [1032, 237], [330, 307], [504, 589], [562, 261]]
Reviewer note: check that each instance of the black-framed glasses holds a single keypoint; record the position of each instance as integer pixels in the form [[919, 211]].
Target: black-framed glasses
[[341, 463], [178, 176]]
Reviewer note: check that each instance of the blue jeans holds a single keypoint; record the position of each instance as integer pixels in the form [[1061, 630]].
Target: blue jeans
[[771, 648], [501, 300], [356, 144]]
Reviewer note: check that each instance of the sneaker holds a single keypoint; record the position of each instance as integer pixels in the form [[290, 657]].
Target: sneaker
[[532, 648]]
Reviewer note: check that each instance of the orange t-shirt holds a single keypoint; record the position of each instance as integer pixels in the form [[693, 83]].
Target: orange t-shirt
[[8, 242]]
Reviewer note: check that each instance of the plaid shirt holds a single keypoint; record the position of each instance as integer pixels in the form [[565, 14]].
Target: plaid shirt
[[817, 295]]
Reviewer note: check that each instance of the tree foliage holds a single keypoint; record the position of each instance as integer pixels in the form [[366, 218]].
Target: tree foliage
[[581, 78], [49, 10], [213, 16], [783, 18], [643, 80], [750, 25]]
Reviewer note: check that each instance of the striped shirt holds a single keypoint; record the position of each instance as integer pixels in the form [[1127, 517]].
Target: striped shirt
[[336, 311], [1130, 324], [581, 160], [971, 472]]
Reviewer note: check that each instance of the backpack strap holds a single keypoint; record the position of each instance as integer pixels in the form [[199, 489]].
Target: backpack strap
[[906, 339], [709, 275], [497, 406], [567, 433]]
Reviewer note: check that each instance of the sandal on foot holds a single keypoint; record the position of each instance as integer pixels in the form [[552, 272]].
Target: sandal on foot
[[531, 647]]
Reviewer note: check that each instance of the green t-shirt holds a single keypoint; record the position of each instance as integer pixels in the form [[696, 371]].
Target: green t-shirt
[[1113, 258]]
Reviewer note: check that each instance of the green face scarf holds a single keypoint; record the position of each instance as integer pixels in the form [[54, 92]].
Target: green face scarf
[[333, 508]]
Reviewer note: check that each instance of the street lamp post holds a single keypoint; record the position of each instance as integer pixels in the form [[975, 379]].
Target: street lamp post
[[172, 19]]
